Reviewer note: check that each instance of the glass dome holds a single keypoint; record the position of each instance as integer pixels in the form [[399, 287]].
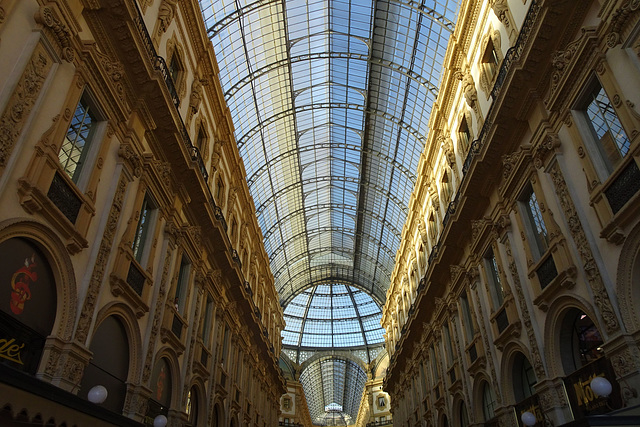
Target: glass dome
[[332, 316]]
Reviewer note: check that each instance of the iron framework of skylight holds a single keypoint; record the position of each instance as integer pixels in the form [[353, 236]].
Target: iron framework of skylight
[[331, 108], [334, 315], [333, 387]]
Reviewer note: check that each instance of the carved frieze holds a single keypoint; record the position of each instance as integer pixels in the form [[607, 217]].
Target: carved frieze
[[589, 266], [49, 18], [21, 102], [98, 274]]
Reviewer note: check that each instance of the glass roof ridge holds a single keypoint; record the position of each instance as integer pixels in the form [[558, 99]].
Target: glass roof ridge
[[331, 103]]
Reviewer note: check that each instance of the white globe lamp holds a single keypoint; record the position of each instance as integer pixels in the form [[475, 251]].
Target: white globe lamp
[[601, 386], [160, 421], [97, 394], [528, 419]]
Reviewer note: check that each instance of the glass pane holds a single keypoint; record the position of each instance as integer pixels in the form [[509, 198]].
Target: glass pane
[[613, 140], [76, 143]]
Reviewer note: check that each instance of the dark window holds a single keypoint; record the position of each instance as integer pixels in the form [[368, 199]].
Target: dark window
[[182, 285], [466, 316], [524, 378], [464, 135], [580, 340], [490, 60], [493, 276], [536, 228], [143, 229], [175, 68], [488, 402]]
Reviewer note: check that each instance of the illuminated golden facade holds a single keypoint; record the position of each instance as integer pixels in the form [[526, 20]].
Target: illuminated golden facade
[[131, 256], [516, 282]]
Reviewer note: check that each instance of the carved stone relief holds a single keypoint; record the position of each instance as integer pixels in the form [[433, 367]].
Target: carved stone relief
[[21, 103], [97, 276], [591, 270]]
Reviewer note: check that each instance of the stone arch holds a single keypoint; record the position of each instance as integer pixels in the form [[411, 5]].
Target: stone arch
[[507, 382], [197, 383], [456, 411], [63, 272], [553, 324], [629, 273], [332, 353], [129, 320], [176, 384], [233, 420], [477, 395], [217, 413]]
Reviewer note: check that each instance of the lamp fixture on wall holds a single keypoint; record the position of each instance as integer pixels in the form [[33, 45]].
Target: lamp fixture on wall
[[528, 419], [601, 386], [160, 421], [98, 394]]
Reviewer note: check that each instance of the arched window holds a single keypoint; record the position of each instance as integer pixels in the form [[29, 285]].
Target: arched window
[[433, 228], [219, 192], [109, 365], [464, 418], [30, 299], [216, 417], [580, 341], [447, 189], [192, 406], [488, 402], [524, 378], [161, 389]]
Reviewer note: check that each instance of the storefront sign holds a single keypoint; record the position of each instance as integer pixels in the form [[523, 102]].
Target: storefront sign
[[20, 346], [583, 400], [10, 350]]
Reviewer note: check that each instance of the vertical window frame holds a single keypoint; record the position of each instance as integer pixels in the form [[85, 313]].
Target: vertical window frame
[[89, 152], [597, 153], [496, 287], [144, 229], [534, 223]]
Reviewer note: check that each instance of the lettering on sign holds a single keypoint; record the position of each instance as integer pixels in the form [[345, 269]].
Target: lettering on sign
[[585, 396], [10, 350]]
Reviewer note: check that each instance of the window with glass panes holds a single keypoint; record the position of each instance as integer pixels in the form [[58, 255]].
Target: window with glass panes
[[206, 327], [182, 285], [143, 229], [611, 139], [79, 137], [466, 316], [536, 227], [490, 59], [488, 402], [493, 276]]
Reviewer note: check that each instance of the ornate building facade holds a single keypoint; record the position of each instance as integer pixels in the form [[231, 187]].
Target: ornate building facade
[[130, 254], [518, 272]]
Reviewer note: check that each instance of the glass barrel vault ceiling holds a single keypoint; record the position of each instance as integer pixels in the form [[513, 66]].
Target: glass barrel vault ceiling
[[330, 101], [333, 315]]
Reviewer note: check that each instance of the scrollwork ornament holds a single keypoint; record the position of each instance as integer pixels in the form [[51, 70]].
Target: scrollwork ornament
[[46, 16], [592, 272], [22, 101], [616, 100], [99, 268]]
